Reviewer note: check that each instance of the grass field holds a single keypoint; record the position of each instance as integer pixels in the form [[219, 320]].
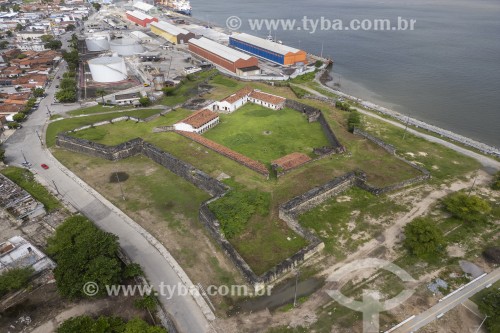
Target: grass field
[[99, 109], [68, 124], [26, 180], [265, 135]]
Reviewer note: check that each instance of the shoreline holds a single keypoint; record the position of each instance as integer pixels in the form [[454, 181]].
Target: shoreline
[[323, 77]]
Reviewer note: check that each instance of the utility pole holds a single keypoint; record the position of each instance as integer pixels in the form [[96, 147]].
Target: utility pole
[[472, 187], [39, 137], [48, 111], [406, 127], [57, 189], [296, 283], [25, 160]]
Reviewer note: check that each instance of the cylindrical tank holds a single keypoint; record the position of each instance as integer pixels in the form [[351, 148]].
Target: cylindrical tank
[[125, 46], [159, 81], [108, 69], [96, 44]]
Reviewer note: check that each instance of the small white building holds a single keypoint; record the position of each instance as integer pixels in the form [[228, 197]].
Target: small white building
[[142, 37], [199, 122], [246, 95], [145, 7], [267, 100]]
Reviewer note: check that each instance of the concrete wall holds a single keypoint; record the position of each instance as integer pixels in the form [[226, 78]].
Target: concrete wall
[[388, 147]]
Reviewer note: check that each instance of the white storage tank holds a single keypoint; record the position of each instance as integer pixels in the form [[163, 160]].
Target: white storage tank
[[108, 69], [126, 46], [96, 44]]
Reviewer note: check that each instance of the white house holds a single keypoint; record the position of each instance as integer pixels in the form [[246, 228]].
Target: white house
[[233, 102], [248, 94], [267, 100], [198, 122]]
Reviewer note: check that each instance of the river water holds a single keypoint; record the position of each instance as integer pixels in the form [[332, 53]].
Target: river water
[[445, 72]]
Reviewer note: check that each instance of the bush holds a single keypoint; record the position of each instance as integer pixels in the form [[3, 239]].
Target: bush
[[86, 324], [489, 305], [318, 63], [145, 101], [343, 106], [15, 279], [147, 302], [468, 208], [353, 121], [84, 254], [235, 209], [423, 238], [496, 182]]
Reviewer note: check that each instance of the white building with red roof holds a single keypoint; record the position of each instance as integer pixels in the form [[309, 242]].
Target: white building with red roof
[[198, 122]]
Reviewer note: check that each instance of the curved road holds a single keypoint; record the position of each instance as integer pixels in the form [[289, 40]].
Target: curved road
[[158, 267]]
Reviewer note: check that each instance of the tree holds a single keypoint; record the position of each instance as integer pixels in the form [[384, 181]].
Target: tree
[[22, 56], [16, 7], [13, 125], [53, 45], [489, 305], [145, 101], [19, 117], [39, 92], [169, 91], [14, 279], [496, 182], [85, 324], [3, 44], [423, 238], [46, 38], [66, 96], [67, 83], [19, 27], [9, 33], [84, 254], [354, 120], [101, 92], [469, 208], [97, 6], [70, 27]]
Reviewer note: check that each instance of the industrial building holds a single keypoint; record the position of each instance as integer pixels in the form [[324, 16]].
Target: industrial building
[[145, 7], [97, 43], [269, 50], [221, 55], [170, 32], [126, 46], [140, 18], [141, 37], [108, 69]]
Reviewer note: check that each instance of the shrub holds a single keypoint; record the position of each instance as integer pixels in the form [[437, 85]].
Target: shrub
[[354, 120], [496, 182], [469, 208], [423, 238], [14, 279]]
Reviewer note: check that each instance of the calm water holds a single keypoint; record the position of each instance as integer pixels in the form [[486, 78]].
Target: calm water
[[446, 72]]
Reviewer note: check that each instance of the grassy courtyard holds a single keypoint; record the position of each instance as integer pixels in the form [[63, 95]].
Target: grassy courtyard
[[265, 135]]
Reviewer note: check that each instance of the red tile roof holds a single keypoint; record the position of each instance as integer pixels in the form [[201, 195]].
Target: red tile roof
[[272, 99], [238, 95], [291, 161], [200, 118]]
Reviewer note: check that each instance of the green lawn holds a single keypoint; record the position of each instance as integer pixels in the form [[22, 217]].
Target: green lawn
[[265, 135], [98, 109], [126, 130], [25, 179], [64, 125]]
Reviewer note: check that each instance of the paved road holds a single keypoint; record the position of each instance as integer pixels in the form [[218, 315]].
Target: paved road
[[185, 312], [446, 305], [489, 163]]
